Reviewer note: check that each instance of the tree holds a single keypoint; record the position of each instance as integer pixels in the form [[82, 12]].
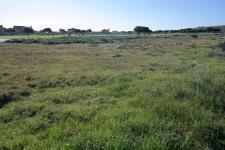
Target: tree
[[10, 31], [62, 31], [140, 29], [28, 30], [73, 30], [3, 31], [47, 30], [70, 31], [78, 31], [89, 30], [105, 31], [213, 30]]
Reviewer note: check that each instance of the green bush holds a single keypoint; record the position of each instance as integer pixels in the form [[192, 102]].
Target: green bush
[[140, 29], [209, 91], [211, 135]]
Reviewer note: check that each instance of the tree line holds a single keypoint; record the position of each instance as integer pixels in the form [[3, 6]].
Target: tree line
[[142, 29], [190, 30], [137, 29]]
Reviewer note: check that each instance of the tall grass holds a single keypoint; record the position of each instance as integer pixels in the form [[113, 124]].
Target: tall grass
[[142, 93]]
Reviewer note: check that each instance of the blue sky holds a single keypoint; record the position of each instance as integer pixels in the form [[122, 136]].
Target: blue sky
[[113, 14]]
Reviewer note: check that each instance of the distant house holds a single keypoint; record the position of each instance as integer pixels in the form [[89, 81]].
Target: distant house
[[19, 29], [1, 29]]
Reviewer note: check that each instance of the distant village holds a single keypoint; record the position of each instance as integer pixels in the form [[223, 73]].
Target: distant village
[[14, 30], [30, 30]]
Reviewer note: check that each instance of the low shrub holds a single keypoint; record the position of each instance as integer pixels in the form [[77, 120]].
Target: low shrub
[[211, 135], [223, 46], [194, 36], [218, 50], [6, 97], [70, 40], [209, 92]]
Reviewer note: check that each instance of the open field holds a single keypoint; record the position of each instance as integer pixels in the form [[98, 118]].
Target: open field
[[57, 35], [31, 36], [152, 92], [90, 39]]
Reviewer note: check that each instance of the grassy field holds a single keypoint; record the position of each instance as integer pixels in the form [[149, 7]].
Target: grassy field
[[53, 40], [156, 92]]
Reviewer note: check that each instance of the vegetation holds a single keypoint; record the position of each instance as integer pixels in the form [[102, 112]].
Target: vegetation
[[10, 31], [89, 30], [28, 30], [79, 31], [140, 29], [105, 31], [62, 31], [223, 46], [193, 30], [47, 30], [148, 92], [70, 40]]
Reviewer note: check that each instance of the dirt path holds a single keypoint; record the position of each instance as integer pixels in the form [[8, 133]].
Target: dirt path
[[3, 40]]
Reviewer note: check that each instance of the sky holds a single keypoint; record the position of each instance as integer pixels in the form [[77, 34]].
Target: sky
[[120, 15]]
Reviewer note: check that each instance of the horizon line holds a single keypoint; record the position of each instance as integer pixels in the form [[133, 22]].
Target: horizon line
[[58, 28]]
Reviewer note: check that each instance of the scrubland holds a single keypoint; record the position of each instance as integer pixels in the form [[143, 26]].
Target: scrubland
[[138, 92]]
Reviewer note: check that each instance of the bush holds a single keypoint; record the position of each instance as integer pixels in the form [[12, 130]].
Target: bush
[[212, 135], [28, 30], [10, 31], [140, 29], [7, 97], [209, 92], [47, 30], [223, 46], [62, 31], [218, 50], [194, 36]]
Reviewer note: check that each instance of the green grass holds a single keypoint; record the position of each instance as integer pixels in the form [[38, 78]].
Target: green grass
[[30, 36], [70, 40], [156, 92]]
